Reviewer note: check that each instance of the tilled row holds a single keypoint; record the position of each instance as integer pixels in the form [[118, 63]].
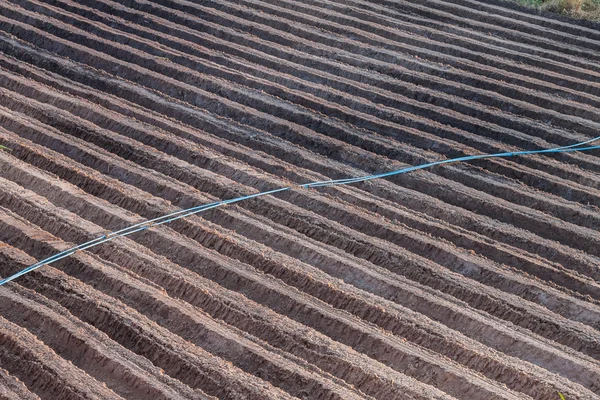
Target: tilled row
[[583, 44], [11, 388], [213, 190], [419, 95], [279, 149], [186, 362], [567, 25], [451, 39], [42, 369], [117, 285], [37, 185], [469, 69], [416, 138], [173, 318], [179, 149], [573, 27], [411, 157], [516, 219], [494, 44], [124, 372], [240, 223], [479, 128], [410, 77], [477, 281], [283, 217], [386, 48], [242, 177]]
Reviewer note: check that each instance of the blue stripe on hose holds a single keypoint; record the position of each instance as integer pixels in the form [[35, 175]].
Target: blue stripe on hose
[[165, 219]]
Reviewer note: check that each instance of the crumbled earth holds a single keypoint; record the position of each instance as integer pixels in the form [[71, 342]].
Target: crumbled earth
[[476, 281]]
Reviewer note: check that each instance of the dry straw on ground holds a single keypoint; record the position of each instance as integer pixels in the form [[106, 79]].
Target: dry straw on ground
[[585, 9]]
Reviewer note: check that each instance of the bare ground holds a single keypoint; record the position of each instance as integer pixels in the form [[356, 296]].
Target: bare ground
[[476, 281]]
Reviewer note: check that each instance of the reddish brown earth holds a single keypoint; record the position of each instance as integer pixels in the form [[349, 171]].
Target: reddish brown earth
[[476, 281]]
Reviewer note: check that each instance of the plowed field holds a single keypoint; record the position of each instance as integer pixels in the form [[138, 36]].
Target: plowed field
[[475, 281]]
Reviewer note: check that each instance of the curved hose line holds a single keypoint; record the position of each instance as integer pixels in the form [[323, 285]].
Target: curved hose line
[[165, 219]]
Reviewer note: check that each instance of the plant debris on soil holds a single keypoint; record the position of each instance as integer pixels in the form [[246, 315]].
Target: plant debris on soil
[[584, 9], [476, 281]]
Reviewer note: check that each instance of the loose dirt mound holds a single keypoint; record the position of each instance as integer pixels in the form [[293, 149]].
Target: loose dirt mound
[[476, 281]]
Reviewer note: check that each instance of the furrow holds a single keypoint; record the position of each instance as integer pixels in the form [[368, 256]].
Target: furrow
[[586, 219], [383, 382], [213, 278], [173, 150], [536, 37], [209, 161], [230, 307], [128, 375], [474, 280], [310, 229], [390, 40], [450, 39], [333, 264], [234, 316], [176, 356], [572, 29], [560, 23], [452, 193], [415, 138], [11, 388], [209, 334], [248, 157], [232, 36], [553, 170], [42, 370], [511, 72], [279, 149], [494, 42], [390, 64], [554, 134], [405, 357]]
